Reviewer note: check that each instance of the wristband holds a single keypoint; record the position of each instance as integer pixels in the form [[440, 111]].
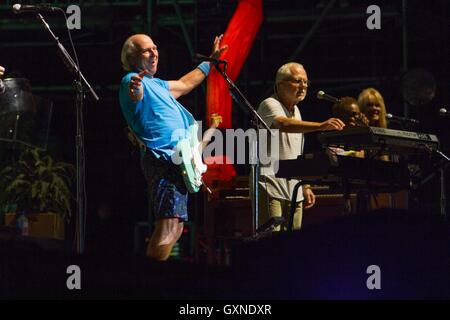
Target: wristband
[[205, 67]]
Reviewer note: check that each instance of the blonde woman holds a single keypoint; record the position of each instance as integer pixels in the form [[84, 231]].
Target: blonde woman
[[372, 105]]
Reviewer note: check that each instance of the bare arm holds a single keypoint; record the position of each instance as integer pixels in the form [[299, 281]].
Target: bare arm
[[186, 83], [192, 79], [177, 88], [2, 71], [299, 126]]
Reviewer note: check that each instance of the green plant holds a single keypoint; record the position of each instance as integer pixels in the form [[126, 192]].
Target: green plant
[[36, 183]]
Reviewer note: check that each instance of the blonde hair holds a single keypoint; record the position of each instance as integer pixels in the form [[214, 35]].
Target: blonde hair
[[364, 99]]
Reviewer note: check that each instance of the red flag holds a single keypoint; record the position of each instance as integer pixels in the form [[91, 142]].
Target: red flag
[[239, 36]]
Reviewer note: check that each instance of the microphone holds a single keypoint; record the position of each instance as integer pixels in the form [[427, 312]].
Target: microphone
[[443, 112], [18, 8], [401, 119], [324, 96], [200, 57], [2, 87]]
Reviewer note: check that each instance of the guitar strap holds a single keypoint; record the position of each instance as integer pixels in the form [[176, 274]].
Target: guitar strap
[[134, 139]]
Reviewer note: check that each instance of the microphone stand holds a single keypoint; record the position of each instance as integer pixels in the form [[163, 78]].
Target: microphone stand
[[443, 199], [80, 83], [442, 168], [240, 99]]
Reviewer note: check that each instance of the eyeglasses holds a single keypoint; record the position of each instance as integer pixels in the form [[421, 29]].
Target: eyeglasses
[[303, 82]]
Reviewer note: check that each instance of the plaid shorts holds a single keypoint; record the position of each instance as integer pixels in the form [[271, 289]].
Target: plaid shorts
[[167, 192]]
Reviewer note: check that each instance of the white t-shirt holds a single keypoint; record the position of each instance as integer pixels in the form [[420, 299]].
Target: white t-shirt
[[290, 146]]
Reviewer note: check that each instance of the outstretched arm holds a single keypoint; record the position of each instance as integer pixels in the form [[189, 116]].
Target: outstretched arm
[[135, 90], [189, 81], [299, 126]]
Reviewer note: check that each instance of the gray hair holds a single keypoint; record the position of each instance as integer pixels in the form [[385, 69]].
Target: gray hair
[[128, 54], [285, 71]]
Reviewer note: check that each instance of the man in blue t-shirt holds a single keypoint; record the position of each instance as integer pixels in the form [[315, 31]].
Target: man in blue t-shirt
[[152, 112]]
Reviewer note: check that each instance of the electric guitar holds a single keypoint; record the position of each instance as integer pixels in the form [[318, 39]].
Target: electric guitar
[[189, 150]]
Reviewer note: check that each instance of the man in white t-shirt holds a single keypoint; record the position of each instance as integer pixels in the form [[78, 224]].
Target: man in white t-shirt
[[281, 112]]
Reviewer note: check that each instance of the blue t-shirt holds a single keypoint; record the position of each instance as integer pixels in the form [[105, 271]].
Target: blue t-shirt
[[158, 119]]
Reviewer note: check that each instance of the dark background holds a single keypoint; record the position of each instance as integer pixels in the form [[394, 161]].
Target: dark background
[[342, 57]]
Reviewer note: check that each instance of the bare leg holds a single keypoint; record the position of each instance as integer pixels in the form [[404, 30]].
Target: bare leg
[[166, 234]]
